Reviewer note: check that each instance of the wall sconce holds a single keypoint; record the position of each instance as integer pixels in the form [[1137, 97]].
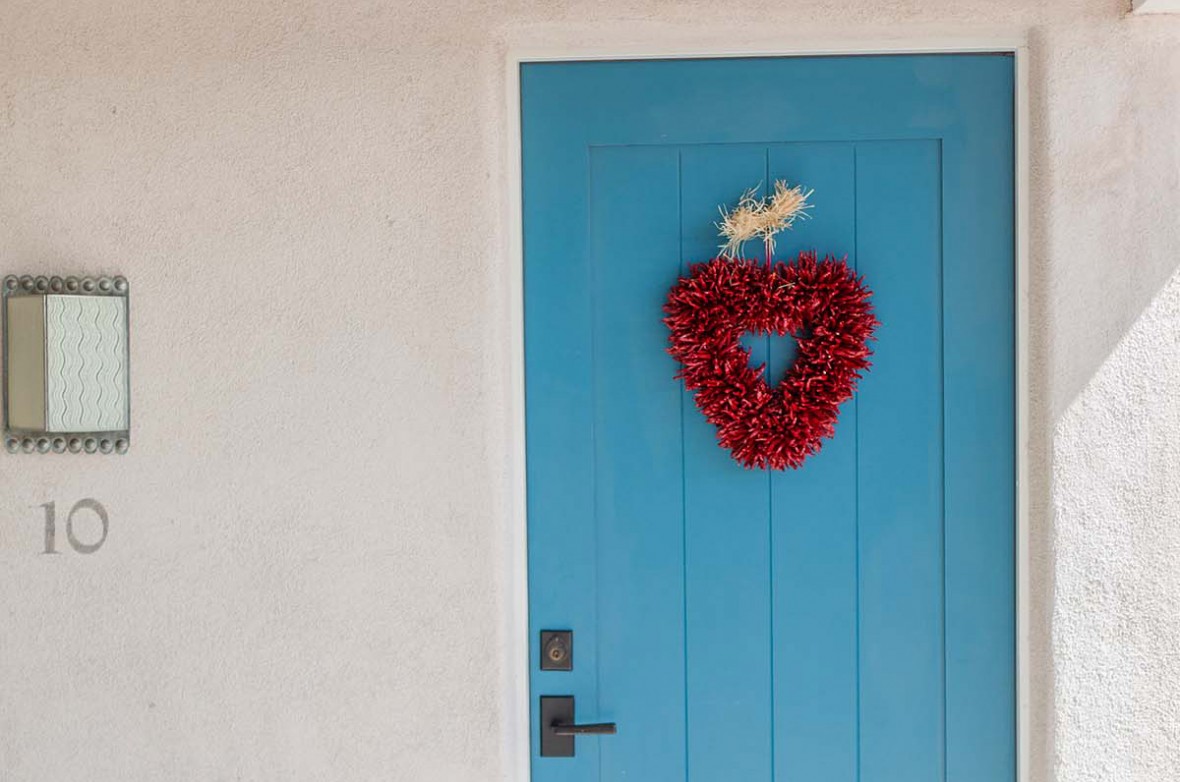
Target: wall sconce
[[66, 365]]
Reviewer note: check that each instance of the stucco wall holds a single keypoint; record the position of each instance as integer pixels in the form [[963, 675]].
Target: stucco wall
[[305, 576]]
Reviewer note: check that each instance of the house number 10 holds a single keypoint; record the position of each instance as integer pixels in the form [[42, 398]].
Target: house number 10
[[51, 526]]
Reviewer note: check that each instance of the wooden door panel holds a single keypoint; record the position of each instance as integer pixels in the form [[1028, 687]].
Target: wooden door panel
[[854, 619]]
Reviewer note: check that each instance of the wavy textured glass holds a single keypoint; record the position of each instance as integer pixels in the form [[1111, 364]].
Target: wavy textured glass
[[86, 363]]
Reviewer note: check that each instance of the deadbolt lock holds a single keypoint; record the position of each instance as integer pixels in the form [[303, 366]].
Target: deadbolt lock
[[557, 650]]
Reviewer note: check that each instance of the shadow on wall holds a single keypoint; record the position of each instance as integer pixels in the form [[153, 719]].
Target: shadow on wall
[[1106, 188], [1105, 192]]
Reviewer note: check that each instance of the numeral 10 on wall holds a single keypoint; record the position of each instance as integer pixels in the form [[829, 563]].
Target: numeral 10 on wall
[[86, 505]]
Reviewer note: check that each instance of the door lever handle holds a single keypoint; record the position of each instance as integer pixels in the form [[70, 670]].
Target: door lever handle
[[559, 728], [595, 729]]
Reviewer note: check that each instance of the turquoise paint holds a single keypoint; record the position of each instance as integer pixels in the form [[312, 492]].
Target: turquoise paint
[[853, 620]]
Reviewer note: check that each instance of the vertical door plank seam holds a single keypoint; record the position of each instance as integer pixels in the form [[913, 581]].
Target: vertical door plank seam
[[942, 426], [856, 453], [683, 461], [593, 283], [770, 380]]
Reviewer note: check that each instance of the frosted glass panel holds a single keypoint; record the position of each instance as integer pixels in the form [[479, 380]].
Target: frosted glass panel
[[86, 363]]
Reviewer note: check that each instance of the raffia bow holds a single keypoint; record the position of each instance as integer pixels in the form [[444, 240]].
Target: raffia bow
[[762, 217]]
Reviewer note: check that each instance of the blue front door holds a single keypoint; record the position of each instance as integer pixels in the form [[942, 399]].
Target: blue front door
[[854, 619]]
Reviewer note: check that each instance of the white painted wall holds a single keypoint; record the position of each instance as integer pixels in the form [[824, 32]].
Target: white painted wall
[[305, 574]]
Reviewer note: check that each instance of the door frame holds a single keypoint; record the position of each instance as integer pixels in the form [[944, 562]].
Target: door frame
[[518, 51]]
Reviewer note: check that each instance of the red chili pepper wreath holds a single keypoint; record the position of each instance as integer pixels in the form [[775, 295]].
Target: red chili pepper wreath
[[824, 304]]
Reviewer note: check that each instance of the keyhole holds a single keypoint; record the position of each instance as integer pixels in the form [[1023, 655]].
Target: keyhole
[[557, 650]]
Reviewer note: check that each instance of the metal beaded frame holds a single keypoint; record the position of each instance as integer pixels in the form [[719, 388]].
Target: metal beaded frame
[[18, 440]]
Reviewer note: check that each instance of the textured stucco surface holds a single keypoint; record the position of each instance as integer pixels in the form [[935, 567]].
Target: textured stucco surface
[[1117, 510], [305, 577]]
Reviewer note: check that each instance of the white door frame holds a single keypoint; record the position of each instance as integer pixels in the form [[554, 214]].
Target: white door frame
[[516, 681]]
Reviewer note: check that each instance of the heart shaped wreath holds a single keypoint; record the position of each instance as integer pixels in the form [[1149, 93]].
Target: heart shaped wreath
[[824, 305]]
